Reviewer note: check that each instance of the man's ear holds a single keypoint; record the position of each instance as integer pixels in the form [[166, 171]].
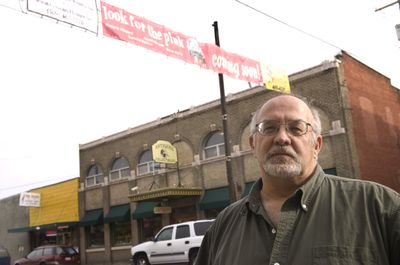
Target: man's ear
[[318, 145]]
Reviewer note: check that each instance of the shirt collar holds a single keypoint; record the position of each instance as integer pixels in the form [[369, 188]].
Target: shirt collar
[[307, 191]]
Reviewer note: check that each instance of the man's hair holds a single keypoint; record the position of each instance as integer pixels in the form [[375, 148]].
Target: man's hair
[[317, 128]]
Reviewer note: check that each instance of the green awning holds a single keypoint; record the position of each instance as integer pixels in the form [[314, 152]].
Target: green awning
[[145, 210], [20, 229], [43, 227], [92, 217], [118, 213], [247, 188], [215, 199]]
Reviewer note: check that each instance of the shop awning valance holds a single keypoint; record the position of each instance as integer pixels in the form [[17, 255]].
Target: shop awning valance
[[215, 199], [92, 217], [20, 229], [118, 213], [44, 227], [145, 209], [167, 192]]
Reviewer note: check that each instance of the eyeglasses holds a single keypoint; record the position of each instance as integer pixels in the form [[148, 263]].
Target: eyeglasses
[[294, 128]]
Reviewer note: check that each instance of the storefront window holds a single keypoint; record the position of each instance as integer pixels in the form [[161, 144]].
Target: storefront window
[[121, 233], [212, 213], [183, 214], [95, 236], [47, 237], [150, 227]]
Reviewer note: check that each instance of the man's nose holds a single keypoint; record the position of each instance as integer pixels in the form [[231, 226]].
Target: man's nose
[[282, 136]]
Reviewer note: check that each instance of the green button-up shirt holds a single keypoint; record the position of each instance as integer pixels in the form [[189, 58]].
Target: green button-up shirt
[[329, 220]]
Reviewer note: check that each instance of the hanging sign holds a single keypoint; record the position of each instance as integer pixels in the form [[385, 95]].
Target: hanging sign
[[121, 25], [80, 13], [162, 210], [164, 152]]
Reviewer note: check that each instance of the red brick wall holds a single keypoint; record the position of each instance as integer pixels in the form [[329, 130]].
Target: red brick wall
[[375, 108]]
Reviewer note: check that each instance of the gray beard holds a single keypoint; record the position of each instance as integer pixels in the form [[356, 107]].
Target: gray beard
[[282, 169]]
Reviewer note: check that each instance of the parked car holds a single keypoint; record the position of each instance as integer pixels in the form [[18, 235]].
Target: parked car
[[177, 243], [4, 256], [50, 254]]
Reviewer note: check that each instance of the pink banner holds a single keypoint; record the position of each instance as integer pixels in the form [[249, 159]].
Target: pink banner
[[122, 25]]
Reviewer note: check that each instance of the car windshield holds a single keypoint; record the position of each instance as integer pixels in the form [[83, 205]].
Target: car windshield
[[200, 228]]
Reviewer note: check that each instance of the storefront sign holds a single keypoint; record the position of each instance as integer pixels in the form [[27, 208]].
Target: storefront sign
[[162, 210], [29, 199], [51, 233]]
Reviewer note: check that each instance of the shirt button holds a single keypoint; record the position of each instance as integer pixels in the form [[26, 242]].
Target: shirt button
[[304, 206], [273, 231]]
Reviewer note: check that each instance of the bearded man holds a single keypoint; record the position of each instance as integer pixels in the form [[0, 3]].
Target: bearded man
[[297, 214]]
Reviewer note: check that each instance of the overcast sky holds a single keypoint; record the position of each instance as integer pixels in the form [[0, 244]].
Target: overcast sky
[[61, 86]]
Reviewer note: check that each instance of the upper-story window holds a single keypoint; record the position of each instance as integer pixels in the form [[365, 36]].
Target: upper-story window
[[214, 145], [146, 163], [120, 169], [94, 176]]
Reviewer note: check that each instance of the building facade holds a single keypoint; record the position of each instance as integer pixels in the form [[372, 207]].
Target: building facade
[[54, 221], [125, 197], [14, 216]]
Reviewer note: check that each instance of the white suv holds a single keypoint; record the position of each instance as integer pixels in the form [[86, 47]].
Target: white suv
[[177, 243]]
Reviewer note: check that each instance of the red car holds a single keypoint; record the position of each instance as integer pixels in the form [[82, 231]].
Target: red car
[[51, 254]]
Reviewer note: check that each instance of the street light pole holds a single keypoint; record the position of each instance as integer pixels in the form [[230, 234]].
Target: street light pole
[[379, 9], [228, 158]]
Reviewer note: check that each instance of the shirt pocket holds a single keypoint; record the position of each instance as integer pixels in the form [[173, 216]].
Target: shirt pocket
[[342, 255]]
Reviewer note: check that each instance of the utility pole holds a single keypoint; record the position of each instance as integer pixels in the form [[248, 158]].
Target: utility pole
[[383, 7], [228, 158], [397, 27]]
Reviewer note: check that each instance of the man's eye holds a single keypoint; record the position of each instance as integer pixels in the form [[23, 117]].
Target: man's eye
[[269, 128], [297, 127]]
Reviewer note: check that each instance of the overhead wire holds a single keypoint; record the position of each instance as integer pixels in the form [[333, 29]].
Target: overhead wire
[[50, 181], [288, 25]]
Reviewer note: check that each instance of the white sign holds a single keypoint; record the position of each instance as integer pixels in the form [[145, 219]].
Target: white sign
[[29, 199], [80, 13]]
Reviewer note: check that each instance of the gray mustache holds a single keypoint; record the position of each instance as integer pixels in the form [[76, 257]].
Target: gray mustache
[[284, 150]]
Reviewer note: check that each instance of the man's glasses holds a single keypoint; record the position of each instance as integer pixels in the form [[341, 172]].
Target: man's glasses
[[294, 128]]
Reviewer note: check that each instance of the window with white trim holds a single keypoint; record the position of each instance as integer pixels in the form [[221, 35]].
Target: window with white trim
[[214, 146], [146, 164], [120, 169], [94, 176]]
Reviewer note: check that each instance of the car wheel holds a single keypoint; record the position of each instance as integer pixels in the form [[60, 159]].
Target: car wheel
[[141, 259], [192, 256]]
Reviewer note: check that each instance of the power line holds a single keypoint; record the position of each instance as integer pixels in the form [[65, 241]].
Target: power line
[[12, 8], [39, 182], [290, 26]]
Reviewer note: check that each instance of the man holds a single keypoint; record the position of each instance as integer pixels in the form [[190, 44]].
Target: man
[[296, 214]]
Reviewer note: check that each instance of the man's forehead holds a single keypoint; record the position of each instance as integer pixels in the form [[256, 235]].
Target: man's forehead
[[286, 107]]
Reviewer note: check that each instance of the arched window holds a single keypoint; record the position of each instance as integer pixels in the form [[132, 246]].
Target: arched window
[[120, 169], [94, 176], [214, 145], [146, 164]]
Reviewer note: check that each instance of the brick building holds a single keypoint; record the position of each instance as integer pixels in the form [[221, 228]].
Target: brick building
[[122, 187]]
